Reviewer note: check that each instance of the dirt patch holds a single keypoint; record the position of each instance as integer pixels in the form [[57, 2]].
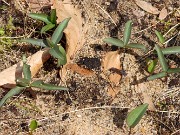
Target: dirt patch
[[87, 108]]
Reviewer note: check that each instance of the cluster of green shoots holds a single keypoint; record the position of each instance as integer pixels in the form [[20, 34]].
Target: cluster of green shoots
[[57, 51]]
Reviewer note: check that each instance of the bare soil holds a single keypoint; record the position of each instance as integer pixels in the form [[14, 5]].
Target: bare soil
[[87, 108]]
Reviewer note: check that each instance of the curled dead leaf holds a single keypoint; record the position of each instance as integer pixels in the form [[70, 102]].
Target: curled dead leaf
[[36, 61], [163, 14], [80, 70], [147, 7], [112, 61]]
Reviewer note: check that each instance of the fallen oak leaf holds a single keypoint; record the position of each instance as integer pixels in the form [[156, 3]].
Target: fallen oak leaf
[[35, 61], [147, 7]]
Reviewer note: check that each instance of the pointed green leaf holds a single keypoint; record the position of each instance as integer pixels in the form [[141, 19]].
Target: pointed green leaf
[[58, 33], [151, 64], [41, 17], [114, 41], [46, 86], [173, 70], [11, 93], [47, 27], [171, 50], [26, 71], [33, 125], [22, 82], [53, 16], [38, 42], [135, 115], [160, 37], [156, 76], [135, 45], [162, 59], [62, 61], [127, 32]]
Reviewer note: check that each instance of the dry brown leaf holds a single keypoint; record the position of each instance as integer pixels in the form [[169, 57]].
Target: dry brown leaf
[[148, 99], [80, 70], [147, 7], [35, 61], [112, 61], [163, 14], [36, 5], [74, 30]]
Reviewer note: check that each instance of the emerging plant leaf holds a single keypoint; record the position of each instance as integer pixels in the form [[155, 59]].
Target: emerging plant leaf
[[22, 82], [114, 41], [53, 16], [151, 64], [160, 37], [135, 115], [46, 86], [171, 50], [38, 42], [173, 70], [127, 32], [135, 45], [161, 57], [41, 17], [62, 61], [58, 33], [156, 76], [47, 27], [33, 125], [26, 70], [11, 93]]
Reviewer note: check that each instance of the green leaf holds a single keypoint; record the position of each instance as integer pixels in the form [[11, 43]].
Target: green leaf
[[53, 16], [135, 115], [22, 82], [58, 33], [160, 37], [46, 86], [151, 64], [41, 17], [38, 42], [33, 125], [11, 93], [114, 41], [26, 71], [173, 70], [47, 27], [135, 45], [171, 50], [127, 32], [156, 76], [162, 59], [62, 61]]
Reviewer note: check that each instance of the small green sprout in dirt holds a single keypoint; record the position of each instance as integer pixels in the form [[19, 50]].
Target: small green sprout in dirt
[[26, 82], [164, 65], [135, 115], [57, 51], [49, 20], [125, 42], [151, 64], [33, 125]]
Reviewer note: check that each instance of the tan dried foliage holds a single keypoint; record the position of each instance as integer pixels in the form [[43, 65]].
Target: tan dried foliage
[[163, 14], [147, 7], [113, 92], [36, 61], [80, 70], [112, 61]]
